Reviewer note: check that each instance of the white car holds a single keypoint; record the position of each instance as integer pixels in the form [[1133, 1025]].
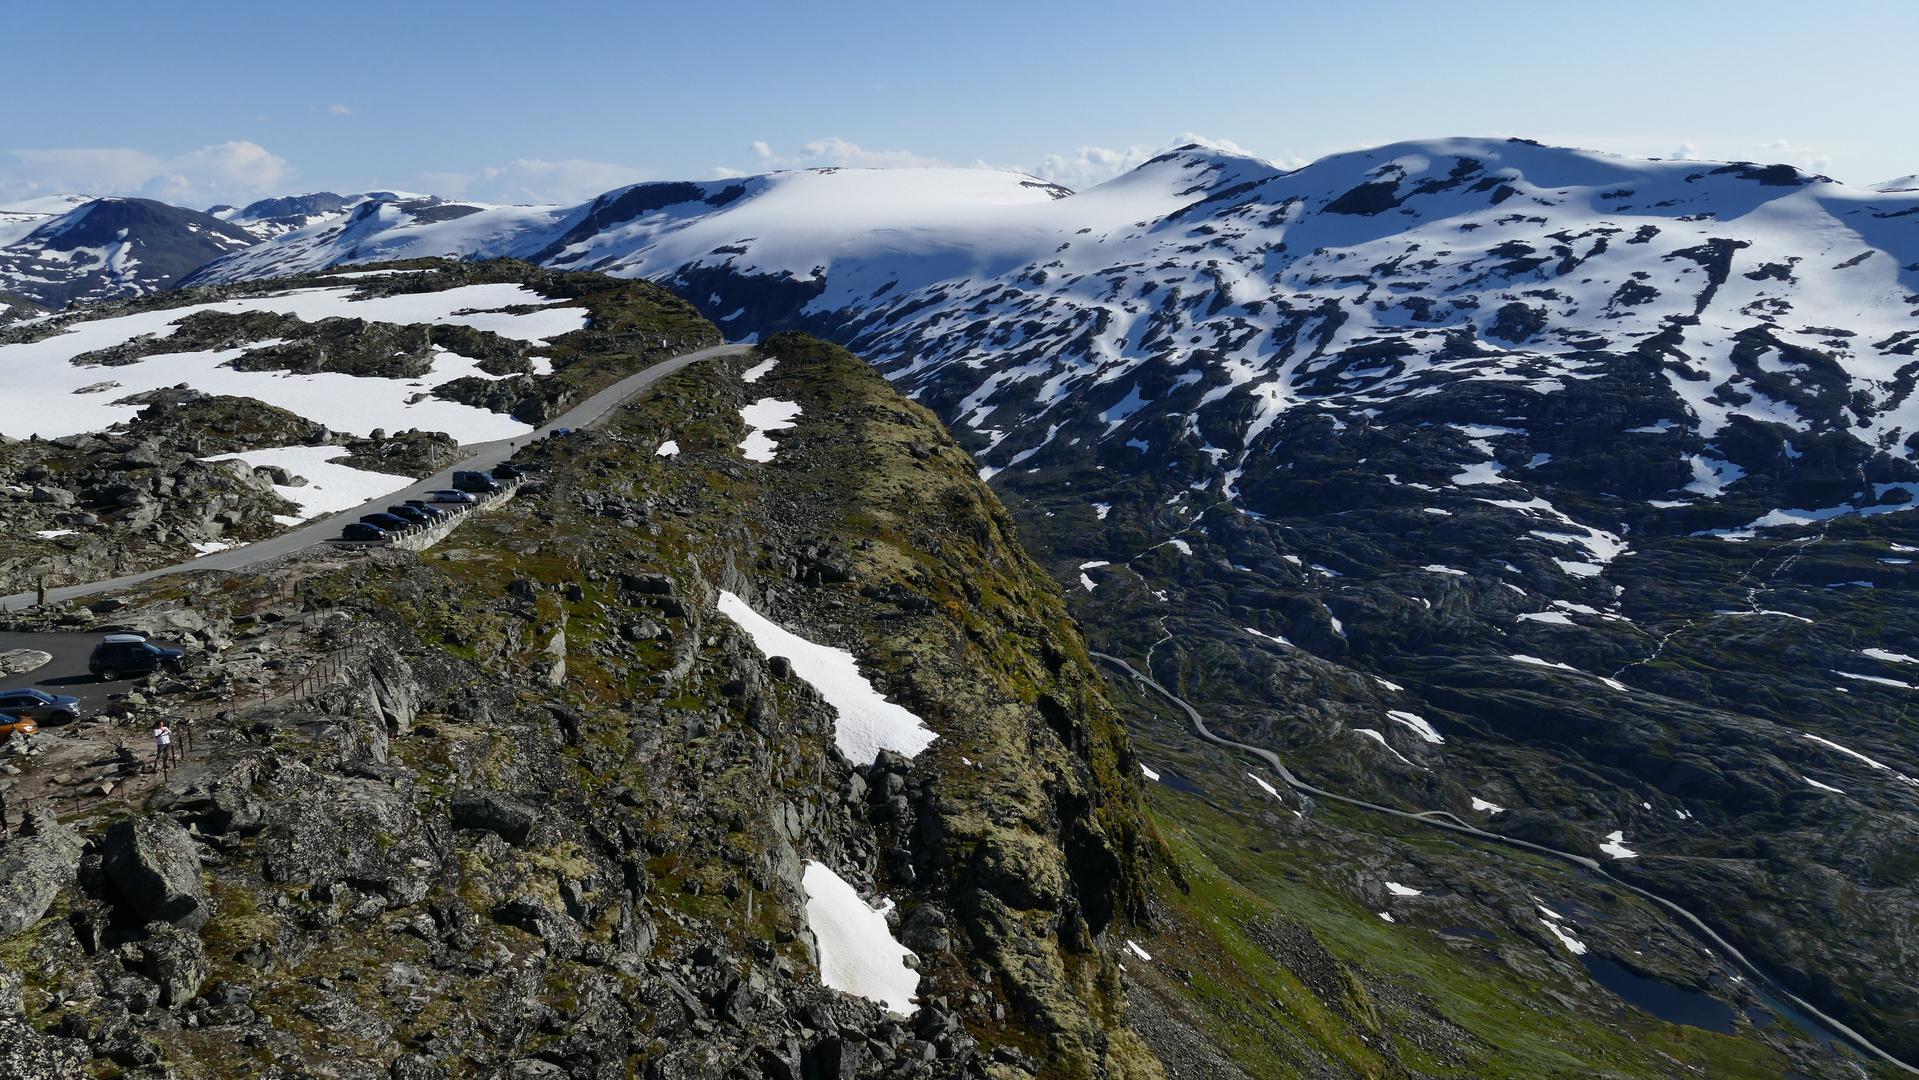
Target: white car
[[448, 495]]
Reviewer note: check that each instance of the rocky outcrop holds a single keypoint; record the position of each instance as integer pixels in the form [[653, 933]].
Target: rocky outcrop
[[34, 869], [153, 862]]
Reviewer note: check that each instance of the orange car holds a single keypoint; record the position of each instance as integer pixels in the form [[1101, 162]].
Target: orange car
[[10, 724]]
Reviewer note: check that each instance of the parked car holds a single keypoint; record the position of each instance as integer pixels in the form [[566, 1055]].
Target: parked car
[[559, 432], [506, 470], [40, 705], [448, 495], [129, 654], [389, 522], [360, 530], [438, 513], [410, 513], [475, 481], [10, 724]]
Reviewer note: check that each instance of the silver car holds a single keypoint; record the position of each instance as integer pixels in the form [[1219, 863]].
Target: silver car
[[40, 705]]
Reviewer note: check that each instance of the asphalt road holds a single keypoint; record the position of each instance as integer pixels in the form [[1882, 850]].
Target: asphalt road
[[1433, 819], [67, 673], [480, 456]]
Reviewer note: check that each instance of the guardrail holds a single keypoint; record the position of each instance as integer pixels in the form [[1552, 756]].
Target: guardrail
[[421, 537]]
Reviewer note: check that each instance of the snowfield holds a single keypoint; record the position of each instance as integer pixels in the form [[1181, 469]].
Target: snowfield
[[868, 723], [47, 395], [857, 952], [330, 488]]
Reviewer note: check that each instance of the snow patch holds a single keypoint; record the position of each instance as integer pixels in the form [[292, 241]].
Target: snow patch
[[858, 954], [1419, 724], [1381, 740], [764, 415], [668, 448], [1397, 889], [1615, 846], [868, 723], [330, 488]]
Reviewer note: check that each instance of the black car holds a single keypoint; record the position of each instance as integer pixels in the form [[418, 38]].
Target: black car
[[506, 470], [437, 513], [40, 705], [389, 522], [474, 482], [410, 513], [129, 654], [360, 530]]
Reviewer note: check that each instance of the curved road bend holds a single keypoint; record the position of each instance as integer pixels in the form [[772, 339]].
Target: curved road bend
[[479, 456], [1432, 818]]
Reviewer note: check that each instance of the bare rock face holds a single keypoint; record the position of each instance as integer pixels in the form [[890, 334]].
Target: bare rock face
[[33, 870], [153, 861], [493, 812], [21, 661], [27, 1054], [175, 959]]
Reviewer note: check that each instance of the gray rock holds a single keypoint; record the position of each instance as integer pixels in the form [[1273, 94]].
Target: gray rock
[[33, 870], [52, 495], [176, 960], [29, 1055], [512, 819], [21, 661], [155, 864]]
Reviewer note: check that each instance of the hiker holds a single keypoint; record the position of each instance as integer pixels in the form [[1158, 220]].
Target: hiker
[[162, 741]]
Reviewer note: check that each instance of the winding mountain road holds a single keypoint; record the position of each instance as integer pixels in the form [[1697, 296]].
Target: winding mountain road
[[1441, 819], [479, 457]]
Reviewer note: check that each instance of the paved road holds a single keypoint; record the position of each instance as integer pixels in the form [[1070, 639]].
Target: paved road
[[67, 673], [1432, 818], [480, 456]]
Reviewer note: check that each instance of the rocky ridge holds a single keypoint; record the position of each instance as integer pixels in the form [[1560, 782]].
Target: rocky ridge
[[567, 804]]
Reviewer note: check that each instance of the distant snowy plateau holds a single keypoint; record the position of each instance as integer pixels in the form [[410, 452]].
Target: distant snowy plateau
[[1215, 289]]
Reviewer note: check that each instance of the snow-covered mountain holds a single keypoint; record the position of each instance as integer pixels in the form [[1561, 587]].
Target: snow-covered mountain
[[67, 248], [270, 218], [62, 248], [1762, 293]]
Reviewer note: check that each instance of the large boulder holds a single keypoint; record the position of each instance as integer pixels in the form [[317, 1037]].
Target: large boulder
[[21, 661], [33, 870], [175, 959], [154, 863]]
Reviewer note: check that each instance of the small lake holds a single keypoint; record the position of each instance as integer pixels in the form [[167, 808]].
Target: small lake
[[1663, 1000], [1179, 783]]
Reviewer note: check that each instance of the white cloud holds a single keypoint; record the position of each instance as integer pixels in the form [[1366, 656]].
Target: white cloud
[[1779, 150], [1686, 152], [338, 110], [530, 180], [1087, 166], [1084, 167], [838, 152], [229, 172]]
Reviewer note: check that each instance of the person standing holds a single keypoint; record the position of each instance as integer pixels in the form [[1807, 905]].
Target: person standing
[[162, 741]]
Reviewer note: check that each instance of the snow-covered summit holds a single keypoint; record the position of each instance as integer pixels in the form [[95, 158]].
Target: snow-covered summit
[[1762, 293]]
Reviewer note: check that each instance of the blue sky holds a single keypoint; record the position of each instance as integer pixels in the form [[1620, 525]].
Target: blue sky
[[201, 102]]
